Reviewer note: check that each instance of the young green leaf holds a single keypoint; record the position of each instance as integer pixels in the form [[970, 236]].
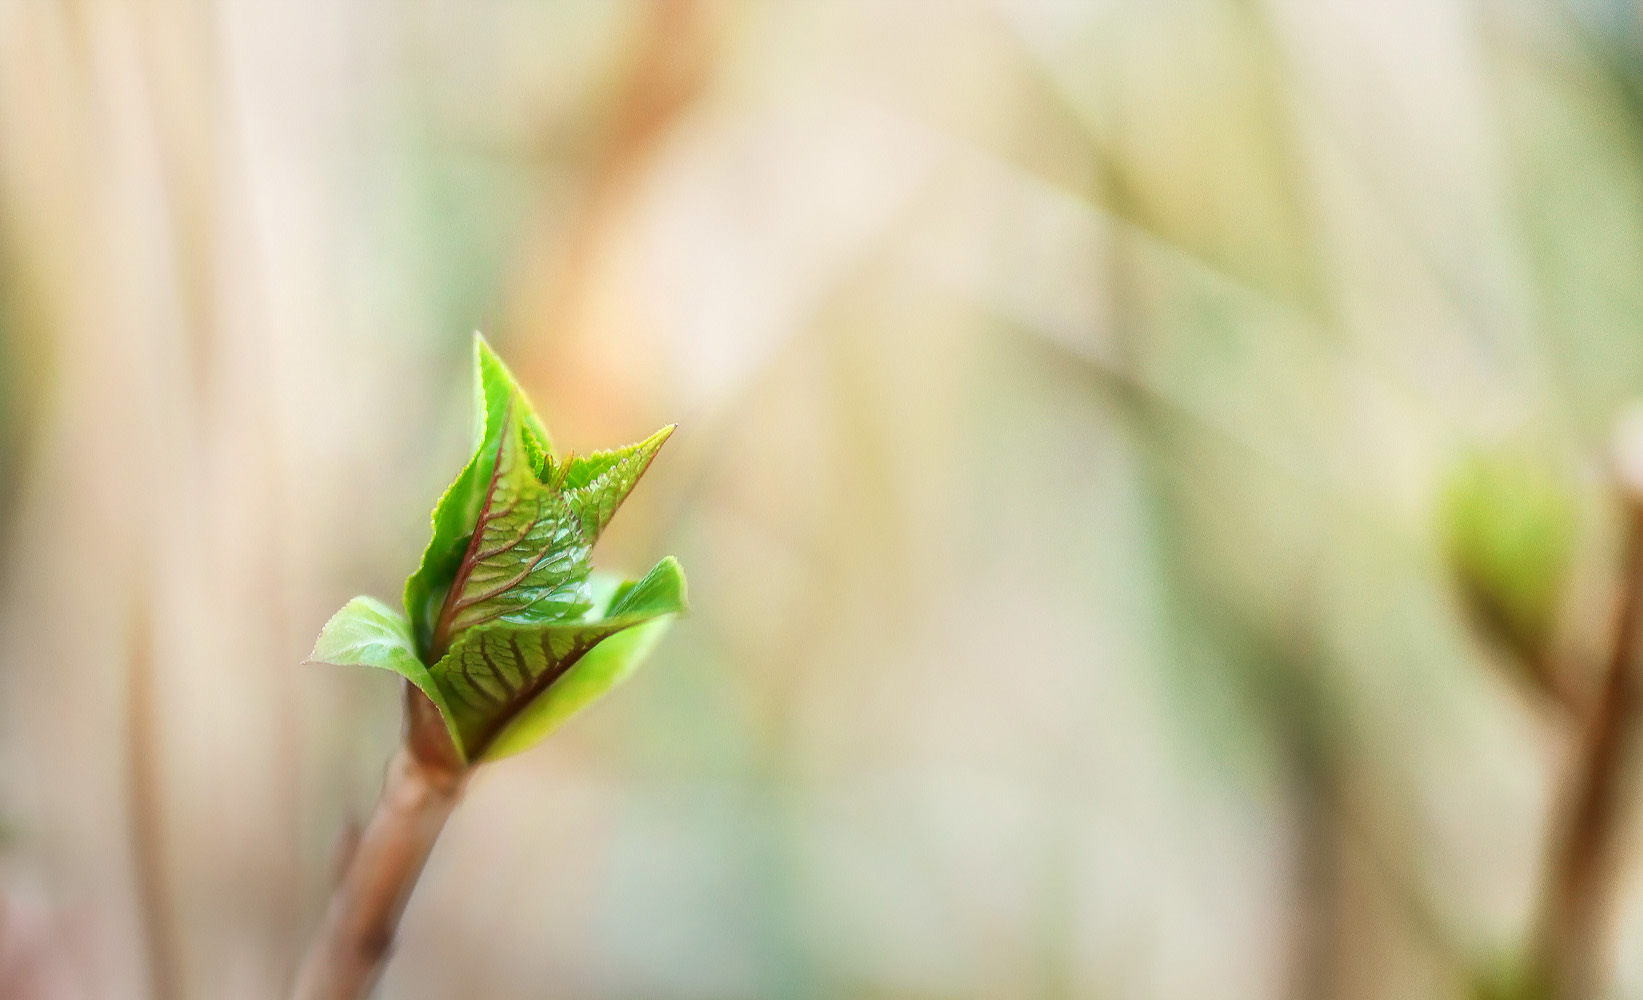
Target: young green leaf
[[368, 633], [655, 601], [598, 483], [526, 562], [494, 676], [501, 394], [499, 633], [496, 395]]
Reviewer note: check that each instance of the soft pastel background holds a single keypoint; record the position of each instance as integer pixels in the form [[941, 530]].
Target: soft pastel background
[[1067, 393]]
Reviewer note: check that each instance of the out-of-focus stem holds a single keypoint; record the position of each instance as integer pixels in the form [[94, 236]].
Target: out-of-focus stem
[[147, 811], [423, 785], [1317, 876], [1574, 929]]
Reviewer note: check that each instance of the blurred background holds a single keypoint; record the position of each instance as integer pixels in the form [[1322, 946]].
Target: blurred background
[[1144, 474]]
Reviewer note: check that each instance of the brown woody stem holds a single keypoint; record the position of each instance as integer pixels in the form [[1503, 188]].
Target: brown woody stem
[[424, 783], [1575, 920]]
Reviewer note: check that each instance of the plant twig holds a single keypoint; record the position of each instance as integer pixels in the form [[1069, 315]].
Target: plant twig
[[424, 783], [1577, 910], [148, 810]]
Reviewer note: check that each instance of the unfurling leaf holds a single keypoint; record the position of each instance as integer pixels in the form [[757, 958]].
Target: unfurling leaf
[[526, 562], [503, 631], [496, 397], [368, 633]]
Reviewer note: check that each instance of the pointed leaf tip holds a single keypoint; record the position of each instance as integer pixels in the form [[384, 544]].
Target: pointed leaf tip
[[495, 390], [598, 483], [525, 561], [496, 395], [662, 591]]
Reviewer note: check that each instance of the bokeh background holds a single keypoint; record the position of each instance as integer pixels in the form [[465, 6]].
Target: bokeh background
[[1143, 472]]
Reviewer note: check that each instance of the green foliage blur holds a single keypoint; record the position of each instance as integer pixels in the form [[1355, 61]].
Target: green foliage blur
[[1510, 527]]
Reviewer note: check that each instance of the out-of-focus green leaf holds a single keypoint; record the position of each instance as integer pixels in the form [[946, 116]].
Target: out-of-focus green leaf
[[1509, 980], [1509, 529]]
